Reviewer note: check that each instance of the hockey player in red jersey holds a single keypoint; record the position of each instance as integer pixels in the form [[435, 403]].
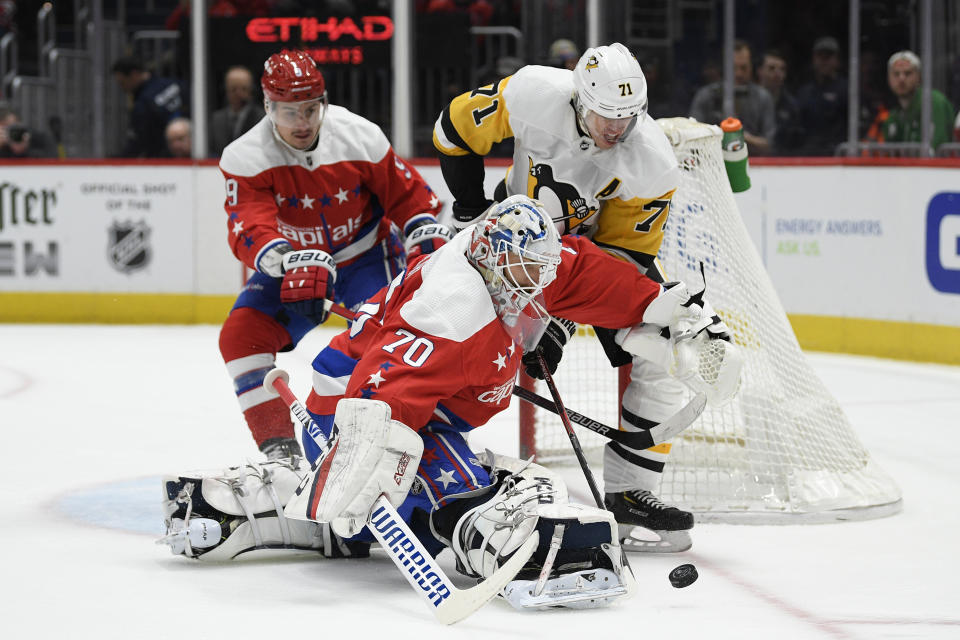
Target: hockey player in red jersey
[[436, 355], [320, 208], [425, 361]]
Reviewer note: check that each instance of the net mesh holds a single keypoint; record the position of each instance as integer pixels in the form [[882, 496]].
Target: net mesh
[[783, 446]]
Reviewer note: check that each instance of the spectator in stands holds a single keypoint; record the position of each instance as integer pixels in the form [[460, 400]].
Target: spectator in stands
[[772, 76], [19, 141], [8, 9], [156, 101], [178, 133], [563, 54], [823, 101], [956, 128], [753, 105], [240, 114], [904, 122]]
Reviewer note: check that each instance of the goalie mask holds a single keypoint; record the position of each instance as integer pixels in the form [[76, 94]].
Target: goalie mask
[[294, 96], [516, 248], [611, 93]]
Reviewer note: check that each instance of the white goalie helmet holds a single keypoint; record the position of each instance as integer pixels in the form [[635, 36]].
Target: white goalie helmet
[[609, 82], [516, 248]]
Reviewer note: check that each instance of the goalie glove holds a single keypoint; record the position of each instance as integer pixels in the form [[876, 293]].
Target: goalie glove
[[672, 305], [675, 307], [709, 321], [551, 344], [308, 279], [711, 366], [424, 235], [684, 335]]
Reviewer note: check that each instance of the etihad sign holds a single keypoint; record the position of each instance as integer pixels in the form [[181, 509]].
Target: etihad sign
[[371, 28]]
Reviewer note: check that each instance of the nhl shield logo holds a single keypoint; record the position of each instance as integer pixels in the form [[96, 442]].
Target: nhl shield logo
[[128, 245]]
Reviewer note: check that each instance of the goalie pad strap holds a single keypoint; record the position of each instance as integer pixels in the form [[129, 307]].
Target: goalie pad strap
[[278, 506]]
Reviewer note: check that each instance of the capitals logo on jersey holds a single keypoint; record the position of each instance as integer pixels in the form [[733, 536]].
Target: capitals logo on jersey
[[497, 394]]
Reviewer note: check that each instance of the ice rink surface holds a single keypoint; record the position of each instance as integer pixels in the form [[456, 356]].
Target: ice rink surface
[[92, 416]]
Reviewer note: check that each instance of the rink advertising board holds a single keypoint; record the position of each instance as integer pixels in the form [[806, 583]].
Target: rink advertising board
[[865, 259], [106, 243]]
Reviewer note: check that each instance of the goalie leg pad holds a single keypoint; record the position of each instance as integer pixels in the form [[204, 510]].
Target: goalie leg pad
[[222, 515], [578, 560], [372, 455]]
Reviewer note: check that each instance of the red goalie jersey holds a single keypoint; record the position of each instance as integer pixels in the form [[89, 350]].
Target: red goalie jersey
[[341, 196], [433, 348]]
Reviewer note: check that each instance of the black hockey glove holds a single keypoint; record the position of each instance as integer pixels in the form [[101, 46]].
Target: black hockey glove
[[558, 332], [464, 216]]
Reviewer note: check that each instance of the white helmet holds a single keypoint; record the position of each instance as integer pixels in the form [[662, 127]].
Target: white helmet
[[608, 81], [516, 248]]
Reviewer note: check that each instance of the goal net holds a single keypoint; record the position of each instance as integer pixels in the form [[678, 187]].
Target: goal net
[[783, 450]]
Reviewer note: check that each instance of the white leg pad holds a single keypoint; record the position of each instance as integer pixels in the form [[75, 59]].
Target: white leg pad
[[372, 455], [222, 514]]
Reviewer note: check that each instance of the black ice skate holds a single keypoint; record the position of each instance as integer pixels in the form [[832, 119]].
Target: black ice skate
[[278, 448], [637, 508]]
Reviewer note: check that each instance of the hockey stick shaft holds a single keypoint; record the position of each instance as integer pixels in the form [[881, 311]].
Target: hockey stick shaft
[[574, 441], [633, 439], [448, 603], [342, 311]]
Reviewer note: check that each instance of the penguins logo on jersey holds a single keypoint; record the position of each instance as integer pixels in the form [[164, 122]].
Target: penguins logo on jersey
[[592, 63], [574, 206]]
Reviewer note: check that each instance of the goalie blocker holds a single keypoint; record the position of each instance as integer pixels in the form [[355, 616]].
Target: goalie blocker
[[238, 513]]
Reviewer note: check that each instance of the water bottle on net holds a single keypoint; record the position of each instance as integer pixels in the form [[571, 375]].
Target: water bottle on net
[[735, 154]]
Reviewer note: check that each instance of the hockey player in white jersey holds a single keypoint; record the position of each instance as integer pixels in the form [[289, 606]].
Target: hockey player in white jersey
[[585, 147]]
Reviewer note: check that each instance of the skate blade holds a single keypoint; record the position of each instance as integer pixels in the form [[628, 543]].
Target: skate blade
[[667, 542], [582, 590]]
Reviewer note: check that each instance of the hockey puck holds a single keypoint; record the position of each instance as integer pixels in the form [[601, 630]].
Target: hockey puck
[[683, 576]]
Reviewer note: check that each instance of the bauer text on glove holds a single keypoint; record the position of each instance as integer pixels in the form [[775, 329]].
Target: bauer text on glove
[[308, 279]]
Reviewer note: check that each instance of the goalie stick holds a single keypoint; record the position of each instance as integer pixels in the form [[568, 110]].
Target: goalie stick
[[662, 432], [574, 441], [448, 603]]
